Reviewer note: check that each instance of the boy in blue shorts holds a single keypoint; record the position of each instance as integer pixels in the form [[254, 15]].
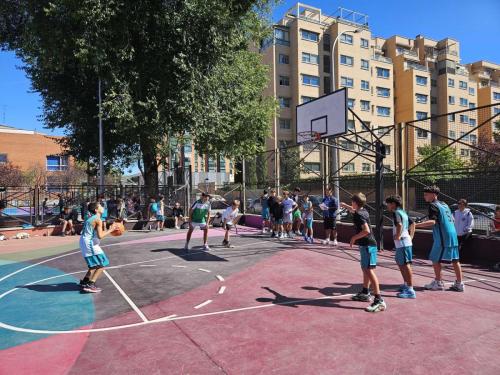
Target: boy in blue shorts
[[265, 211], [403, 229], [95, 258], [445, 246], [307, 206], [368, 251]]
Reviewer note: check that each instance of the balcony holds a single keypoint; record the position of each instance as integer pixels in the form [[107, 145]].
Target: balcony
[[447, 51], [406, 52], [411, 65], [382, 59]]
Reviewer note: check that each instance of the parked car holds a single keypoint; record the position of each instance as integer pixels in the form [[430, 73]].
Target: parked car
[[483, 214]]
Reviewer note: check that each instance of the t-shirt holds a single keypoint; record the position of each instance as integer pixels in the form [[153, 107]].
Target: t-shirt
[[288, 205], [443, 232], [271, 202], [308, 213], [161, 208], [360, 218], [333, 204], [265, 202], [400, 217], [230, 215], [176, 212], [200, 211], [278, 211]]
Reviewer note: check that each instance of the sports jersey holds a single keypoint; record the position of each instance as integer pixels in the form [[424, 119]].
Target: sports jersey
[[307, 206], [333, 204], [265, 202], [288, 204], [89, 242], [400, 217], [443, 231], [200, 211], [360, 218], [230, 215]]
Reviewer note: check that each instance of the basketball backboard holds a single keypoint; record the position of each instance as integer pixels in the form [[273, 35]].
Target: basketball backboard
[[326, 116]]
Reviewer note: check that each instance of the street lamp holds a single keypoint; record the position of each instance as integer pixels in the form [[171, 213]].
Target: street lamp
[[335, 151]]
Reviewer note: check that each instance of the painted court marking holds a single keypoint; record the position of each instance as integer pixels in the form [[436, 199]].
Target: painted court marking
[[203, 304], [222, 289]]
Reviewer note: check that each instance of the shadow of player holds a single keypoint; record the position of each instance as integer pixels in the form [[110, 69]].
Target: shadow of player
[[44, 288], [283, 300]]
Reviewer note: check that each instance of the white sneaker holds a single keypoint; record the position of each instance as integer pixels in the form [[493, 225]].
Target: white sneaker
[[335, 243], [264, 231], [177, 227], [282, 236], [326, 242], [458, 287], [206, 247], [435, 285], [298, 233]]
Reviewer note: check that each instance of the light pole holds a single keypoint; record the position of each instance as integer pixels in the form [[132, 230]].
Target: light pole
[[101, 143], [334, 152]]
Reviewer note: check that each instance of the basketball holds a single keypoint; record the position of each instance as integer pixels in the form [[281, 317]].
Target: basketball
[[120, 229]]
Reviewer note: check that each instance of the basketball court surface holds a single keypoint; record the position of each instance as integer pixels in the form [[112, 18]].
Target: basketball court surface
[[262, 307]]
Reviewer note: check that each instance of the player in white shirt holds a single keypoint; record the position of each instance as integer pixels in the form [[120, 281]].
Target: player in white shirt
[[288, 205], [228, 219]]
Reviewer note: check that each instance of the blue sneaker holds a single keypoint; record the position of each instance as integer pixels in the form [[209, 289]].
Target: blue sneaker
[[407, 293], [402, 288]]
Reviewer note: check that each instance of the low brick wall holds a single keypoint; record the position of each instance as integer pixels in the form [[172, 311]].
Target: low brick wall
[[478, 250]]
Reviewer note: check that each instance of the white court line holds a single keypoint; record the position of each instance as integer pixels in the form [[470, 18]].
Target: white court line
[[203, 304], [203, 270], [167, 318], [219, 277], [222, 289], [147, 265], [179, 266], [130, 302]]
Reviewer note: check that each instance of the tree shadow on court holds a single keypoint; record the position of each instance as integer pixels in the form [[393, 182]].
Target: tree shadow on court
[[347, 288], [193, 255], [62, 287], [295, 302]]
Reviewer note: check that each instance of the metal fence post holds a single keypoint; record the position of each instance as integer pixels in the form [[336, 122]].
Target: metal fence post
[[400, 162], [244, 185], [379, 194]]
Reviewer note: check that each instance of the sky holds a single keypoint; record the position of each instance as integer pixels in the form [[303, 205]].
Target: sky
[[475, 24]]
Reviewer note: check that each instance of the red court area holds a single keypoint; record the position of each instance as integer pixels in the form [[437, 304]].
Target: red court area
[[262, 307]]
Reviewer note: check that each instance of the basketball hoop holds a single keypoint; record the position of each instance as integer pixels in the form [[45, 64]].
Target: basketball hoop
[[308, 137]]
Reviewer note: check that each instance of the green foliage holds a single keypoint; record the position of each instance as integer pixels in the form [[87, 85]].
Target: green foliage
[[445, 159], [290, 166], [262, 169], [251, 172]]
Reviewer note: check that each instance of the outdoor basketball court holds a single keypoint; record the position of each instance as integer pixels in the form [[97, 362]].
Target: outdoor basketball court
[[264, 306]]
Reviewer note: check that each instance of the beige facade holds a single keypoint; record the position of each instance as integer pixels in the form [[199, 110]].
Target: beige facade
[[389, 81]]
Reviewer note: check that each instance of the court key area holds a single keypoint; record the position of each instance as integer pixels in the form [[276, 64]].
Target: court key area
[[264, 306]]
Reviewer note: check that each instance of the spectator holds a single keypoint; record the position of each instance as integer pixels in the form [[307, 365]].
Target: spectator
[[122, 209], [495, 223], [112, 208], [44, 206], [330, 205], [104, 214], [67, 219], [464, 222], [178, 215], [160, 213], [61, 203]]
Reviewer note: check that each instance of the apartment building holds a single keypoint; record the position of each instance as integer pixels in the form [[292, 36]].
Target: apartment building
[[389, 80]]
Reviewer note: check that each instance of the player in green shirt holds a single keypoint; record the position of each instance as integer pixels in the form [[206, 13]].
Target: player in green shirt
[[199, 216]]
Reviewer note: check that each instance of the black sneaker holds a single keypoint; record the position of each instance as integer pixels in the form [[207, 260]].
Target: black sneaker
[[83, 283], [363, 297], [225, 242], [273, 234]]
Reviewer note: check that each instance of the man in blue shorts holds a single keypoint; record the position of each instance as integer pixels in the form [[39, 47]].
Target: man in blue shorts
[[445, 246]]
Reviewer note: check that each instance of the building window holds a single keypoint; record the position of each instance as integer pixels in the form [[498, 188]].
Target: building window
[[346, 38], [212, 165], [310, 58], [310, 80], [282, 35], [472, 91], [285, 123], [462, 85], [473, 138], [350, 125], [383, 73], [451, 134], [366, 167], [433, 83], [383, 92], [383, 111], [327, 86], [464, 119], [365, 64], [451, 99], [464, 137], [312, 167], [421, 81], [421, 115], [464, 152], [57, 163], [472, 122], [464, 102], [346, 60], [348, 145], [451, 117], [348, 167], [326, 64], [365, 85], [434, 100], [3, 158], [350, 103], [387, 150], [472, 105], [346, 82], [326, 42], [365, 105], [284, 102], [451, 82], [283, 59], [496, 95], [421, 98], [496, 111], [365, 43], [309, 35], [284, 81], [422, 134], [306, 99]]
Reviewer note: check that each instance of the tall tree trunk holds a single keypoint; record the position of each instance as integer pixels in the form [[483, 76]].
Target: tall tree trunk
[[150, 170]]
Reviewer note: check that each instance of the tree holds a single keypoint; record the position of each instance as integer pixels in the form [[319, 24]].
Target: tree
[[10, 175], [36, 175], [489, 154], [167, 68], [445, 160], [262, 177], [251, 171], [290, 167]]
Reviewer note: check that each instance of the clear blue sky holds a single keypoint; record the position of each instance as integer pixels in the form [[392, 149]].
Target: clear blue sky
[[474, 23]]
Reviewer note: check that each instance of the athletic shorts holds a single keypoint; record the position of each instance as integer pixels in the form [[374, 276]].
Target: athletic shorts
[[404, 255], [296, 215], [309, 222], [229, 226], [278, 221], [160, 218], [368, 256], [194, 225], [97, 261], [288, 218], [440, 254], [329, 223], [265, 214]]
